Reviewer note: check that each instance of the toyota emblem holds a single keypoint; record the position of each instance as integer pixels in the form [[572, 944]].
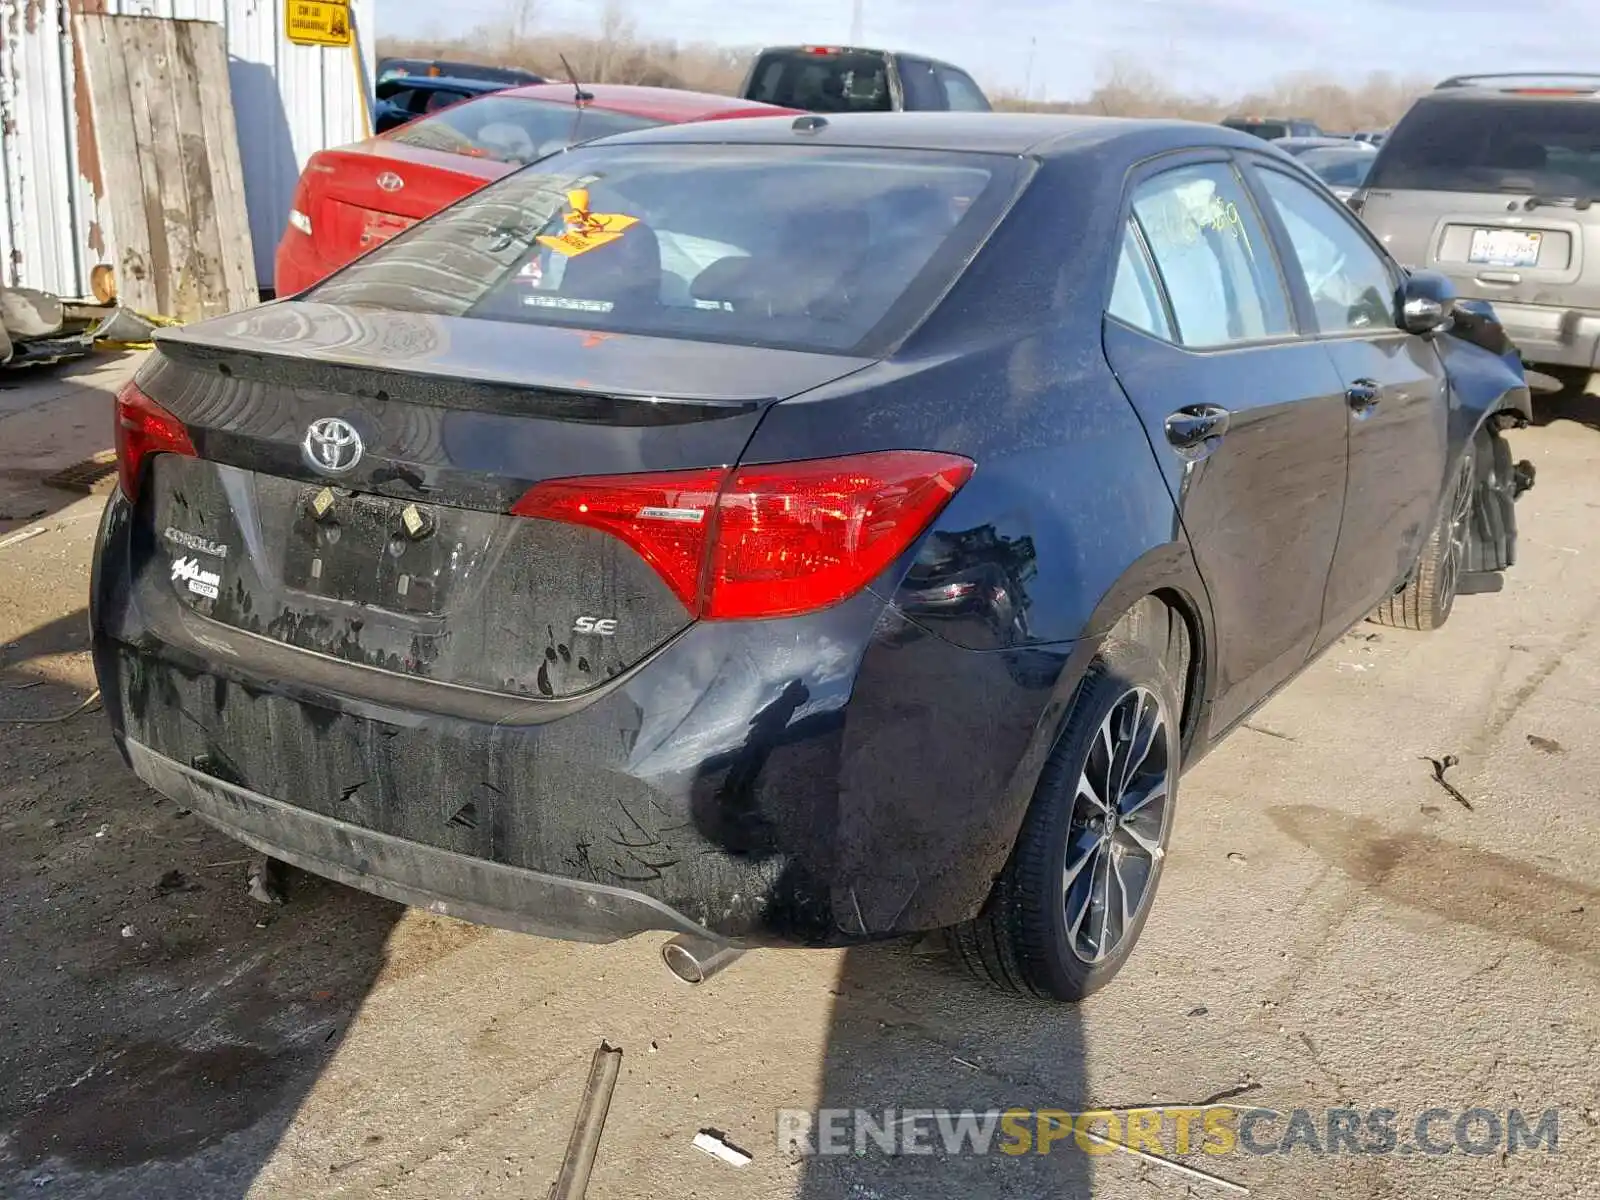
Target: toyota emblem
[[332, 445], [390, 182]]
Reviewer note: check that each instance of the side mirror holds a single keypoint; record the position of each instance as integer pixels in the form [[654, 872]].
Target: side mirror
[[1427, 302]]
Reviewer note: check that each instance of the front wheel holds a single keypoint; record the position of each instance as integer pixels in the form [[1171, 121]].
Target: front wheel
[[1071, 903], [1426, 600]]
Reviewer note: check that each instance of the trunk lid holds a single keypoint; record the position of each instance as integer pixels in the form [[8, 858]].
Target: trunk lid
[[407, 560], [362, 195]]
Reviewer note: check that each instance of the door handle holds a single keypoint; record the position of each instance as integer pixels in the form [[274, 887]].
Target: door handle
[[1500, 278], [1364, 395], [1195, 429]]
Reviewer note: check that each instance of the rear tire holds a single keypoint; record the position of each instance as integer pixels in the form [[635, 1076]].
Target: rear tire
[[1070, 905], [1425, 602]]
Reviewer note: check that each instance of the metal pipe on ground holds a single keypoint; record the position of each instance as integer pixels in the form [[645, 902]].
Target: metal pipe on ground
[[589, 1125], [695, 959]]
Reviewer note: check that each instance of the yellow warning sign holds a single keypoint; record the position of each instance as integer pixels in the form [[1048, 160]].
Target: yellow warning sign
[[317, 22]]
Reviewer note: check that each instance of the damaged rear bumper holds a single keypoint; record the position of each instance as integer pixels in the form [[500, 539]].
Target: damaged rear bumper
[[440, 881]]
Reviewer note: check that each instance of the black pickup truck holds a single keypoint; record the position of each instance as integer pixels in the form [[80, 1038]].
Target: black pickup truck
[[838, 79]]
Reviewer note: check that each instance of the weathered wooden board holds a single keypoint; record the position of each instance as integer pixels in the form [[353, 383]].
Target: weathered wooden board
[[169, 156]]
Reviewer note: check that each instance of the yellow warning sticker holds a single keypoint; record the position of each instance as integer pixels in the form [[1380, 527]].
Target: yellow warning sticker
[[585, 230], [317, 22]]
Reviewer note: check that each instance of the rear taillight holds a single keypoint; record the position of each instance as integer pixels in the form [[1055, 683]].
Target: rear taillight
[[144, 428], [769, 540]]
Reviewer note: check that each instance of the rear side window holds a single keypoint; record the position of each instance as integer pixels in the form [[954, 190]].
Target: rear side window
[[1136, 297], [821, 82], [787, 246], [1213, 256], [920, 83], [961, 94], [1494, 144], [512, 130]]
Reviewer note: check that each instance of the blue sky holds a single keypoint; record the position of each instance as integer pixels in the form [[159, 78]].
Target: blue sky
[[1219, 46]]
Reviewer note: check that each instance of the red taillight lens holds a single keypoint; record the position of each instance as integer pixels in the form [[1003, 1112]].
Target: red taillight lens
[[144, 428], [764, 541], [665, 517]]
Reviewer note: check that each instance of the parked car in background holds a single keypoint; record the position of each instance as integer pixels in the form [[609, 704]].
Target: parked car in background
[[794, 532], [1343, 168], [836, 79], [1372, 137], [403, 98], [1341, 163], [356, 197], [1494, 180], [1272, 128], [389, 68]]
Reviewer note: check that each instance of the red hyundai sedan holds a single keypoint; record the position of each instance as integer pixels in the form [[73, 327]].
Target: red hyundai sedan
[[356, 197]]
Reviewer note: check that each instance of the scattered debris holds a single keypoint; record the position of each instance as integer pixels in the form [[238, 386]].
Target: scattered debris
[[266, 880], [1440, 766], [175, 881], [232, 862], [1242, 1089], [102, 831], [128, 931], [718, 1146], [21, 535], [590, 1123], [24, 686], [1235, 857], [961, 1062], [92, 698], [1199, 1010], [1431, 810], [1272, 733], [1548, 745]]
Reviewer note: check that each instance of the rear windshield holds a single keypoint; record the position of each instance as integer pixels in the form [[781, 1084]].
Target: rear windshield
[[785, 246], [1338, 167], [1271, 130], [510, 129], [1495, 144], [823, 82]]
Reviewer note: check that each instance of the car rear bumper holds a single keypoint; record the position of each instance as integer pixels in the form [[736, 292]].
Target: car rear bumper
[[441, 881], [823, 780], [1550, 336], [297, 265]]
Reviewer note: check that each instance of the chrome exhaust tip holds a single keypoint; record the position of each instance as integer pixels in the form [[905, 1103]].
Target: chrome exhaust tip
[[696, 959]]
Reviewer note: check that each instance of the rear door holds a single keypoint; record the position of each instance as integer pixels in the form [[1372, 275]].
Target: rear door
[[1246, 415], [1499, 192], [1395, 388]]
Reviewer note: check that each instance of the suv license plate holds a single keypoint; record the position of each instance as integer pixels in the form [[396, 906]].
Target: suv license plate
[[1504, 248]]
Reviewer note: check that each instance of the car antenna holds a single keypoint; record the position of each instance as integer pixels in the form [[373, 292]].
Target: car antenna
[[582, 97]]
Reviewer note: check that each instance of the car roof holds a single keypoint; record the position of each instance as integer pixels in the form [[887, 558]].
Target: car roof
[[669, 104], [1045, 135], [832, 48], [1535, 85], [1318, 143], [454, 83]]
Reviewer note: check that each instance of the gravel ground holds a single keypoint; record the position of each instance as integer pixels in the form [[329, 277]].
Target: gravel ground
[[1335, 929]]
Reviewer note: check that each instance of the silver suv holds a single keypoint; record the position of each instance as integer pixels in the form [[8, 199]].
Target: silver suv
[[1494, 180]]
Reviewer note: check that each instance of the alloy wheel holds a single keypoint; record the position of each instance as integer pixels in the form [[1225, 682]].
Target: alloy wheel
[[1459, 530], [1118, 826]]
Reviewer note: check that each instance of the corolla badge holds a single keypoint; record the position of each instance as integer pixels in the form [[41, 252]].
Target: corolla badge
[[332, 445], [390, 182]]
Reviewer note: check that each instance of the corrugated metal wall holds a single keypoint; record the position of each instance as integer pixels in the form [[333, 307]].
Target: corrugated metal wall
[[289, 101]]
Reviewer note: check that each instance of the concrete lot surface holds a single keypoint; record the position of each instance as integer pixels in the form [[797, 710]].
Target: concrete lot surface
[[1335, 929]]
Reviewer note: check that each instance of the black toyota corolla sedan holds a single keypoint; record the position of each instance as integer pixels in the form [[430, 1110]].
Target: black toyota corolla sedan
[[792, 534]]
